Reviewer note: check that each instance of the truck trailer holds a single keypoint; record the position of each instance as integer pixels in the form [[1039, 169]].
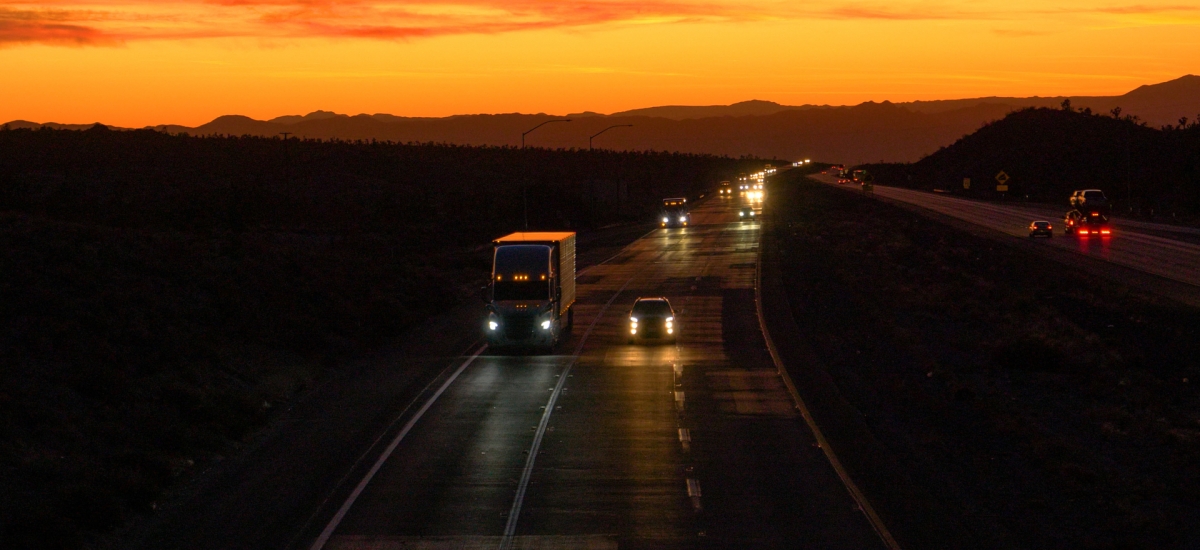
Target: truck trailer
[[532, 290]]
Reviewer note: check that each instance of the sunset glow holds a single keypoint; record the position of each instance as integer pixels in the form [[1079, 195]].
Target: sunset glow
[[140, 62]]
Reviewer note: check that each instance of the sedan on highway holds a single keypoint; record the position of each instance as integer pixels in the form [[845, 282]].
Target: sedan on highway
[[746, 214], [652, 319], [1041, 227]]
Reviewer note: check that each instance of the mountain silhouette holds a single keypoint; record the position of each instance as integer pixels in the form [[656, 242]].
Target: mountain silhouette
[[868, 132]]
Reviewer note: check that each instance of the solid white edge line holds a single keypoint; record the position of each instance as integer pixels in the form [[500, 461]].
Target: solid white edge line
[[510, 528], [859, 498], [341, 513]]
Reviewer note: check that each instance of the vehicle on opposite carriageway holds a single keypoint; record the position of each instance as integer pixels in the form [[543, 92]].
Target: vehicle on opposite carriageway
[[1090, 224], [1041, 227]]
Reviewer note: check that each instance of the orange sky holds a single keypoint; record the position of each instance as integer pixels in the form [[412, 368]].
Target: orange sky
[[141, 62]]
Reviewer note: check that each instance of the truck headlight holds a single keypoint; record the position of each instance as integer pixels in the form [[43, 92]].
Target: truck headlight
[[546, 325], [665, 220], [492, 325], [683, 218]]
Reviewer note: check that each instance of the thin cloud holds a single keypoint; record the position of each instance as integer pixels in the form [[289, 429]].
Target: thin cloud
[[56, 27], [130, 20], [113, 22]]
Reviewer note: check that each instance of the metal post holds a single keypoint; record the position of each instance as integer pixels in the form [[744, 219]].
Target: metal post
[[605, 130], [525, 180]]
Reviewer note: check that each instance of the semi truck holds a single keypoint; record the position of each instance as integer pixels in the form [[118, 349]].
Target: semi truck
[[674, 212], [532, 290]]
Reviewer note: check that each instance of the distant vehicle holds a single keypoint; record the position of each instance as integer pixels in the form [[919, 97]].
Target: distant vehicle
[[532, 290], [1089, 199], [674, 212], [1090, 224], [747, 213], [652, 319], [726, 190], [861, 177], [1041, 227]]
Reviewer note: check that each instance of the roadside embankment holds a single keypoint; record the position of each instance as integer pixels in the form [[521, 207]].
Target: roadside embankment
[[1025, 402]]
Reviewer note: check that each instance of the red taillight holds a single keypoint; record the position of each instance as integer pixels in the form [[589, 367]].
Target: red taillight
[[1083, 232], [1105, 232]]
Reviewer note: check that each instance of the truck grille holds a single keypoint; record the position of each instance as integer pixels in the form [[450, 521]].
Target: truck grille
[[519, 327]]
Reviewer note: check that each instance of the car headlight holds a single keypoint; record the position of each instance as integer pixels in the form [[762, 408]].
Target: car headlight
[[741, 214], [752, 214], [546, 325], [665, 220]]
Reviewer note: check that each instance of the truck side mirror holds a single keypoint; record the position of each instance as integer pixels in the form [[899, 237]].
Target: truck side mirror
[[485, 293]]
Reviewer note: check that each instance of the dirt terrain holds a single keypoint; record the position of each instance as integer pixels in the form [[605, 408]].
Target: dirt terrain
[[1044, 407]]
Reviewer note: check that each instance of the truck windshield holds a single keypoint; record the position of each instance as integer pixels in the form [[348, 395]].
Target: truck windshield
[[522, 272]]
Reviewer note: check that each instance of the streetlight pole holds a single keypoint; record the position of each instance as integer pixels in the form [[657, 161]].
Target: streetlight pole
[[525, 180], [523, 134], [605, 130]]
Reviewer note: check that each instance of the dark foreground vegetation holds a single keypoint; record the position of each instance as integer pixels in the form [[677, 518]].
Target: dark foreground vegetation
[[161, 295], [1151, 173], [1044, 407]]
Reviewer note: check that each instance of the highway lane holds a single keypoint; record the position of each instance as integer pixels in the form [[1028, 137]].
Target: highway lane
[[688, 446], [1137, 245]]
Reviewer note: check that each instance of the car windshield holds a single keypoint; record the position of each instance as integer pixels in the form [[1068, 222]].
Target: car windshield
[[1093, 194], [522, 272], [1041, 224], [652, 308]]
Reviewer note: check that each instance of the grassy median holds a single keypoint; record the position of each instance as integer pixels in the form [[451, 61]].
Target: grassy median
[[1049, 408]]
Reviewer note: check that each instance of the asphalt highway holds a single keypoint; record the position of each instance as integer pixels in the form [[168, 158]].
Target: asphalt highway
[[1162, 250], [607, 444]]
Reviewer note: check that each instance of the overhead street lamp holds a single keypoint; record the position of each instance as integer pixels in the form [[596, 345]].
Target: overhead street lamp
[[605, 130], [525, 182], [539, 126]]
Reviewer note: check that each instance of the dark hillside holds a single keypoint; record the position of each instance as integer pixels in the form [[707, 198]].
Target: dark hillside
[[1049, 153], [161, 295]]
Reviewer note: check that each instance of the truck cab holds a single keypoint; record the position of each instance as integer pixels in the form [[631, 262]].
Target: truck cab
[[532, 290], [674, 212]]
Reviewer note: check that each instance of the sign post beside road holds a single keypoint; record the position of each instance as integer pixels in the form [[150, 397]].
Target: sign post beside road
[[1002, 180], [966, 183]]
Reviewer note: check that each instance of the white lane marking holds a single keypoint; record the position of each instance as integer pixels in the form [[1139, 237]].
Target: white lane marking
[[341, 513], [514, 513], [693, 488], [858, 496]]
